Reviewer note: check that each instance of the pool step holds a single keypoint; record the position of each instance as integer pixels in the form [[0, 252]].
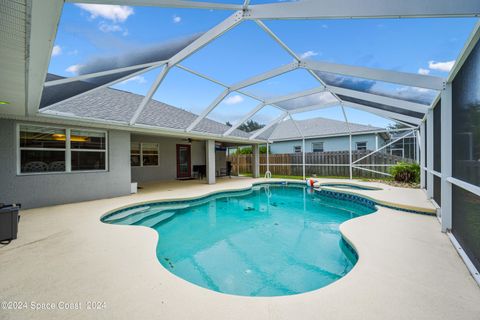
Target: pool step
[[135, 217], [153, 220]]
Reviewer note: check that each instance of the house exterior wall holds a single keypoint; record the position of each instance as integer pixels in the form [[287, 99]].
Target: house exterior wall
[[167, 162], [329, 143], [167, 167], [38, 190]]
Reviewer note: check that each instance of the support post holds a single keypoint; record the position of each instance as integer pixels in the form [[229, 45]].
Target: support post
[[429, 151], [350, 155], [268, 156], [256, 161], [303, 157], [421, 144], [446, 141], [210, 155]]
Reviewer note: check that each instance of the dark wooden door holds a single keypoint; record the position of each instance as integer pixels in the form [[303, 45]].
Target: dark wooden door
[[184, 163]]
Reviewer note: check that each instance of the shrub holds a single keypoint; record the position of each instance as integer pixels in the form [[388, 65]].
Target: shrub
[[406, 172]]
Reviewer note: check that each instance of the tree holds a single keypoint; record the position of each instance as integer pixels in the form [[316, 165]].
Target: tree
[[251, 126], [228, 123]]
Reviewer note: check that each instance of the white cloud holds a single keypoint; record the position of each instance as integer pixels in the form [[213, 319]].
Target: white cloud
[[57, 50], [105, 27], [445, 66], [423, 71], [235, 99], [114, 13], [177, 19], [73, 52], [308, 54], [138, 79], [74, 68]]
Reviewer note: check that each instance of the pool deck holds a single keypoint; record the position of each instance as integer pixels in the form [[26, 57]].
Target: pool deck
[[407, 269]]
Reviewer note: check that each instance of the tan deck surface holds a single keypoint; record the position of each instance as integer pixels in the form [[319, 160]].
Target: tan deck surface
[[407, 269]]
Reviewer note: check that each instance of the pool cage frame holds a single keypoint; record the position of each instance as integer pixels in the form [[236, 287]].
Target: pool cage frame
[[394, 109]]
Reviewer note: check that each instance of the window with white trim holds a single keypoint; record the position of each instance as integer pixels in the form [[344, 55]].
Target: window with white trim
[[297, 149], [49, 149], [317, 146], [144, 154], [362, 146], [88, 150]]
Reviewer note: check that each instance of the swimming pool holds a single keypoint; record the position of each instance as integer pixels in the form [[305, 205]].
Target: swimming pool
[[271, 240]]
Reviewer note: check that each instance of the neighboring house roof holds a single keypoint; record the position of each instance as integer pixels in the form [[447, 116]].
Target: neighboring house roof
[[315, 127], [117, 105]]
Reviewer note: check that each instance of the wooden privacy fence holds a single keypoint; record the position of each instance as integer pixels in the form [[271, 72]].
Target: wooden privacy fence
[[318, 163]]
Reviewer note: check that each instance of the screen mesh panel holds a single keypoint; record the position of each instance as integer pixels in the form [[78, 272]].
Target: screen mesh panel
[[316, 99], [466, 120], [437, 189], [54, 94], [412, 94], [382, 106], [466, 222]]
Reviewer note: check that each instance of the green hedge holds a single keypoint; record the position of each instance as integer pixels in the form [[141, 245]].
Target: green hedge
[[406, 172]]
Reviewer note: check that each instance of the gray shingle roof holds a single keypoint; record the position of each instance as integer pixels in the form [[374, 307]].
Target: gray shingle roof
[[287, 130], [117, 105]]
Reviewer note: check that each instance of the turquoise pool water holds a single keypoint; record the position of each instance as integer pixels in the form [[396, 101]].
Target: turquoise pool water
[[271, 240]]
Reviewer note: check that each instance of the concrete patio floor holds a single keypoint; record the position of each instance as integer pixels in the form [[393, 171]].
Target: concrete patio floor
[[407, 269]]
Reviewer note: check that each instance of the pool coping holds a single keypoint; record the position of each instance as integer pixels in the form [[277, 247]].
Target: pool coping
[[405, 263]]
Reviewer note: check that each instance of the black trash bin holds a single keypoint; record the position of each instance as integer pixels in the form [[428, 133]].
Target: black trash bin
[[9, 222]]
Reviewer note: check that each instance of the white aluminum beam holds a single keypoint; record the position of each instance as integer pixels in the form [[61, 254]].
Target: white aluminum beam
[[150, 94], [212, 34], [265, 76], [248, 82], [166, 3], [384, 146], [383, 113], [245, 118], [314, 107], [446, 157], [469, 46], [402, 104], [403, 78], [193, 47], [268, 126], [44, 19], [295, 95], [277, 39], [429, 151], [205, 112], [289, 51], [102, 73], [348, 9]]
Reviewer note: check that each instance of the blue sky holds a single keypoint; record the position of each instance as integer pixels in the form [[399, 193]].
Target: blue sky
[[428, 46]]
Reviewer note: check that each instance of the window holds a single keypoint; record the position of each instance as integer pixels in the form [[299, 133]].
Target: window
[[317, 147], [87, 150], [297, 149], [361, 146], [42, 149], [135, 154], [144, 154], [48, 149]]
